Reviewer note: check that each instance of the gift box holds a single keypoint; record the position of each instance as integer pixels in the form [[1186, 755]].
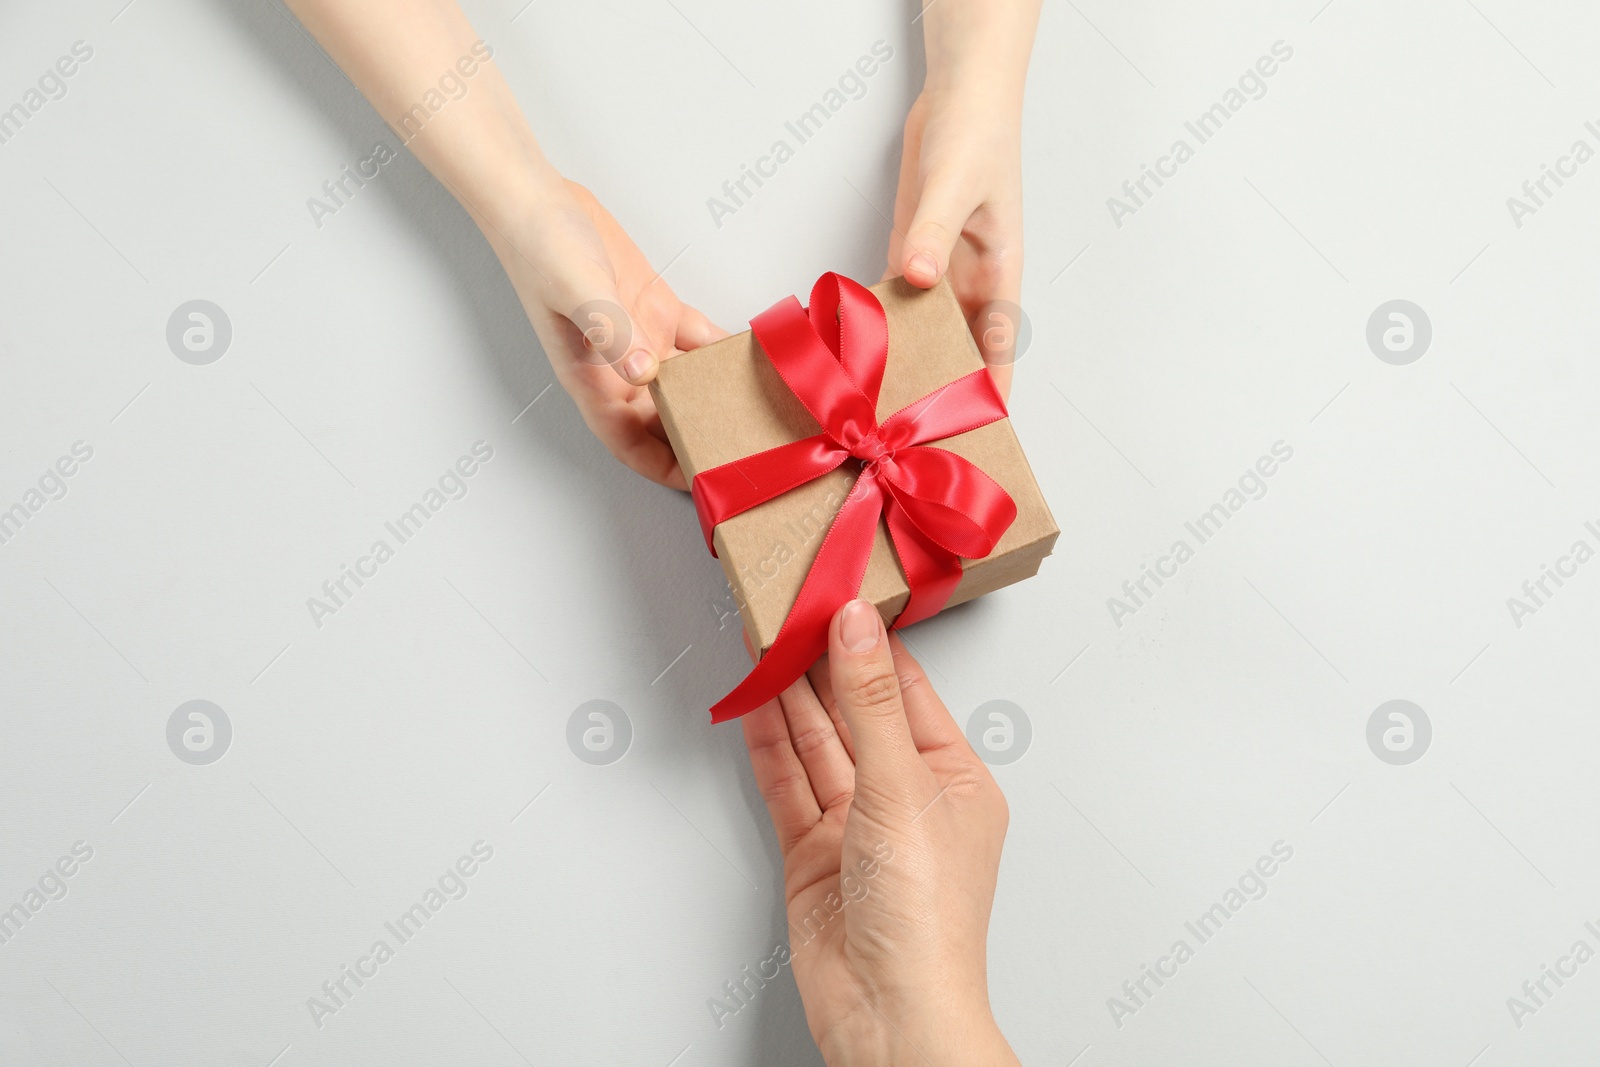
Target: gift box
[[778, 432]]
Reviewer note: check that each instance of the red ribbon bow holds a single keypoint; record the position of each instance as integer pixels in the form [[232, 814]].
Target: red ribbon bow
[[940, 507]]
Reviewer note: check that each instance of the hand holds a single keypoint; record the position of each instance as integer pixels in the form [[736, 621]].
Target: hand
[[958, 211], [958, 207], [890, 828], [564, 255]]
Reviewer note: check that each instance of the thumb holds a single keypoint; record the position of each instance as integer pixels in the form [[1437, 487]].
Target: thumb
[[694, 329], [942, 213], [867, 690], [610, 337]]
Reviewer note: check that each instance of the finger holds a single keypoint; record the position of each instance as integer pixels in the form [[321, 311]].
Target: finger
[[816, 742], [1010, 289], [650, 456], [822, 686], [818, 736], [1002, 375], [651, 420], [868, 692], [587, 281], [639, 366], [694, 329], [626, 425], [986, 271], [611, 335], [932, 725], [942, 213], [905, 193], [780, 775]]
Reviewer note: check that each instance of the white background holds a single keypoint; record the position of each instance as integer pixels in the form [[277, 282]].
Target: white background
[[1168, 354]]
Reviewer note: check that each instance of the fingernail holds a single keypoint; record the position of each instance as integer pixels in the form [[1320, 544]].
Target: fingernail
[[859, 627], [636, 365], [924, 264]]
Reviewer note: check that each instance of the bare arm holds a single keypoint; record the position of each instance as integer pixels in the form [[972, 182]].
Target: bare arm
[[475, 140], [958, 208], [423, 67]]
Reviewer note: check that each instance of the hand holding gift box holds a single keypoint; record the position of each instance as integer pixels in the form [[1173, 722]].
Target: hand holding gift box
[[856, 446]]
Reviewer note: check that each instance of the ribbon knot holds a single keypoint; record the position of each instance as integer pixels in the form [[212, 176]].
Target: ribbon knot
[[939, 507], [870, 449]]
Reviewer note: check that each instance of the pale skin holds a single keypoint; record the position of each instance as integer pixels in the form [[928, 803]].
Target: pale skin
[[859, 761], [958, 205], [862, 753]]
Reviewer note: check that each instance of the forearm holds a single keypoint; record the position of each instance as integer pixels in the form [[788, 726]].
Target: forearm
[[979, 49], [423, 68]]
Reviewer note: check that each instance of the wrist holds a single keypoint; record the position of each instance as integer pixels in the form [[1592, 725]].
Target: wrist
[[954, 1039], [980, 48], [521, 191], [975, 88], [986, 118], [968, 138]]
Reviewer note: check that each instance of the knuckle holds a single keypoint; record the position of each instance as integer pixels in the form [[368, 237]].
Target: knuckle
[[876, 799], [970, 781], [1002, 811], [811, 738], [875, 691], [932, 231], [653, 312], [911, 679], [658, 301], [988, 800], [844, 797], [784, 783]]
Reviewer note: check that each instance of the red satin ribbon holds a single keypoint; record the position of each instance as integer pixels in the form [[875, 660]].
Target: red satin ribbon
[[940, 508]]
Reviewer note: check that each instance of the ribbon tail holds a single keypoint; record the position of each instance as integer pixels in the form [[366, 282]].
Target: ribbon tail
[[834, 579], [932, 572], [737, 486]]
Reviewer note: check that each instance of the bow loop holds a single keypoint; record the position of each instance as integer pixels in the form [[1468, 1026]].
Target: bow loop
[[965, 404], [814, 373], [849, 320], [950, 500]]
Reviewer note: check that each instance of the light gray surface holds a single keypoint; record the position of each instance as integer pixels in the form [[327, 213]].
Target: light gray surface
[[1170, 352]]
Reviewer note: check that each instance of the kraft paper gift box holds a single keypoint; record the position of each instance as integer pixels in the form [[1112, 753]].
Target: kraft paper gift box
[[725, 401]]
